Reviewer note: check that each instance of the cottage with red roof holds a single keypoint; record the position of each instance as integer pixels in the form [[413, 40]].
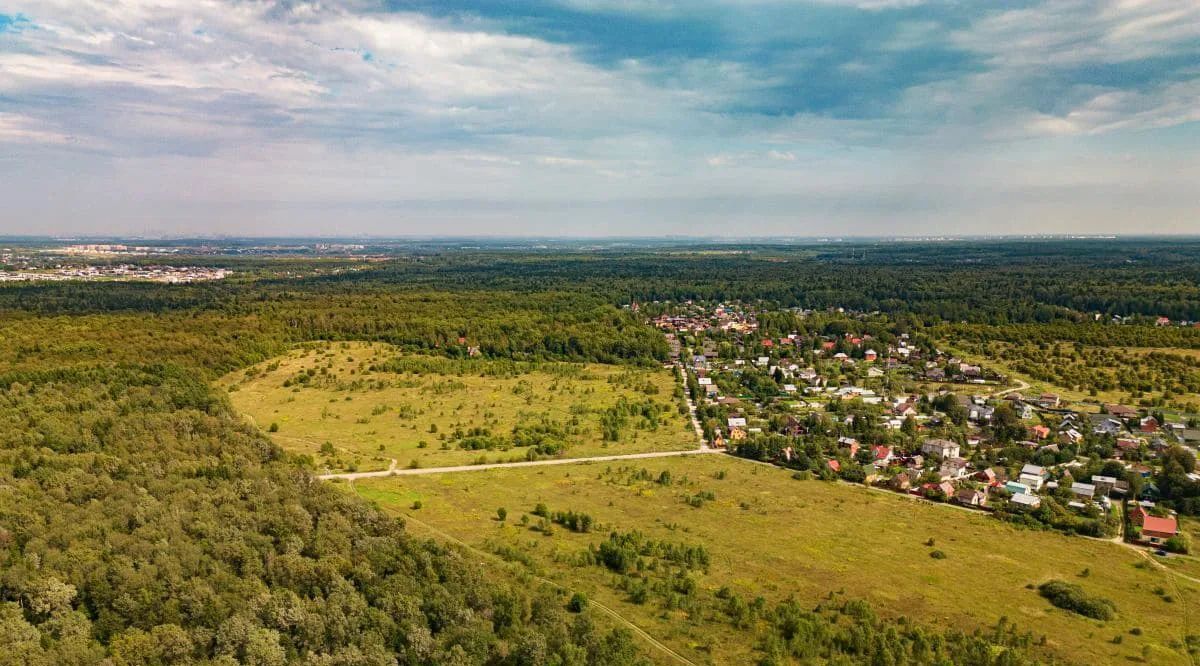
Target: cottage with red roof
[[1154, 529]]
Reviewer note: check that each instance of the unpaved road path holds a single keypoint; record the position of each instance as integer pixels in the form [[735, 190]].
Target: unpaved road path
[[412, 471]]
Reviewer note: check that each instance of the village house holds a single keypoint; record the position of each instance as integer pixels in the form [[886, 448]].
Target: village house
[[945, 489], [1032, 476], [1024, 501], [980, 413], [1121, 411], [1048, 401], [1154, 529], [904, 409], [1125, 446], [1016, 488], [941, 449], [970, 497], [850, 444], [1084, 492], [1107, 425], [1104, 484], [954, 468], [986, 475]]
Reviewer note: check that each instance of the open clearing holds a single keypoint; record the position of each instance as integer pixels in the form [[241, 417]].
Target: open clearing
[[1188, 565], [770, 535], [1167, 377], [357, 406]]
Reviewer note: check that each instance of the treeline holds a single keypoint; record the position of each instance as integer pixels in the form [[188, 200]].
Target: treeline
[[143, 522], [1092, 334], [999, 282], [507, 326]]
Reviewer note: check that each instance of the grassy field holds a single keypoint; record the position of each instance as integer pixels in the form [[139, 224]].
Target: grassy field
[[1128, 375], [356, 406], [1188, 565], [772, 536]]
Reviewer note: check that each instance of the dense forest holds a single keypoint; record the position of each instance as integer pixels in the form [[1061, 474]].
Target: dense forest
[[986, 282], [142, 522]]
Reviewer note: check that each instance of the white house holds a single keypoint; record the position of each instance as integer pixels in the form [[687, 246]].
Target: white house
[[1026, 501], [940, 448]]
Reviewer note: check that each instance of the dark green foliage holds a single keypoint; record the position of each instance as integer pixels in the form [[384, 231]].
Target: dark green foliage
[[576, 522], [142, 522], [143, 515], [1069, 596], [622, 551], [852, 632]]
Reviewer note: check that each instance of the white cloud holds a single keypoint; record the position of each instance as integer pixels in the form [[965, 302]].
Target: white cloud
[[16, 128], [338, 104]]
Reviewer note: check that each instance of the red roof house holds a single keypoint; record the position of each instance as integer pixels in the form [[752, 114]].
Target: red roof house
[[1154, 529]]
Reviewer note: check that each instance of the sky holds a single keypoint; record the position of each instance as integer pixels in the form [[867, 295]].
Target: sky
[[605, 117]]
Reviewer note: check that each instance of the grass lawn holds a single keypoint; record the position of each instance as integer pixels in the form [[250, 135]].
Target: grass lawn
[[1188, 565], [350, 417], [774, 536]]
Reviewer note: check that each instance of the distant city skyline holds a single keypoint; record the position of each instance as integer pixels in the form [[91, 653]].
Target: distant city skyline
[[569, 118]]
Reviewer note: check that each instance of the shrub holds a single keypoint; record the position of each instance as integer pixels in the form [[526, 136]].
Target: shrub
[[578, 603], [502, 514], [274, 427], [1071, 597], [1177, 544], [937, 555]]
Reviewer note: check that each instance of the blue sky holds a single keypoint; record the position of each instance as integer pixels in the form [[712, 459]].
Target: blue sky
[[625, 117]]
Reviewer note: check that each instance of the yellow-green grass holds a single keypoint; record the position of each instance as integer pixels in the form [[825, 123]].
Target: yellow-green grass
[[1188, 565], [1037, 386], [774, 536], [367, 426], [1084, 397]]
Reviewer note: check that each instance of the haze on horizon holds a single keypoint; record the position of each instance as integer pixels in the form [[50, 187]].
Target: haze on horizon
[[610, 117]]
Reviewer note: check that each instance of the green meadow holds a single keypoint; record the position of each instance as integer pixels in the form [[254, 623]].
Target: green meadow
[[768, 535], [357, 406]]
